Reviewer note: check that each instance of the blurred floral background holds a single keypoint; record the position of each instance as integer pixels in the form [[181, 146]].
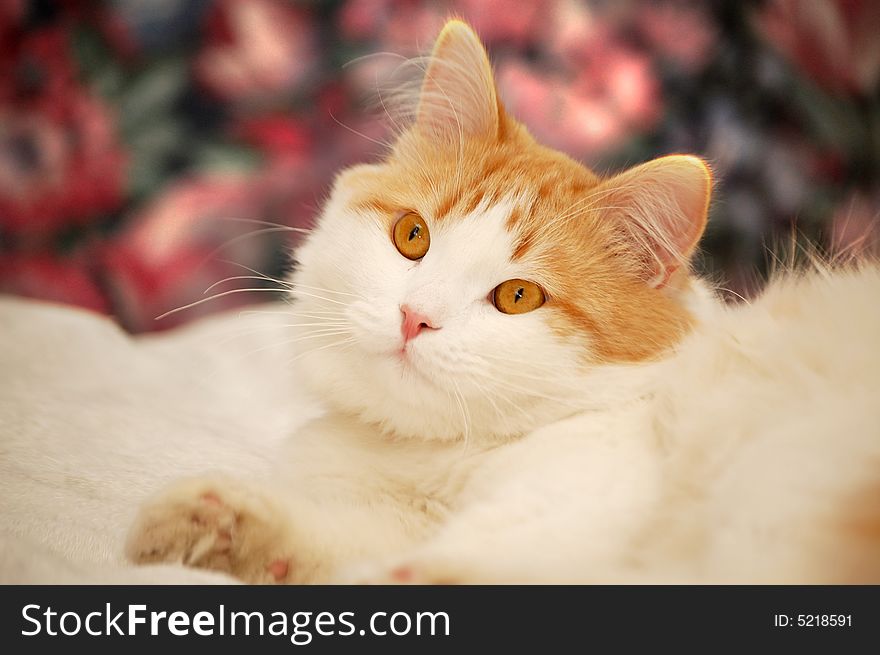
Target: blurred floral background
[[150, 148]]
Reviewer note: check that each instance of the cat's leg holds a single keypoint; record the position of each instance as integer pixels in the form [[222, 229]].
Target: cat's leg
[[218, 523], [562, 505], [269, 535]]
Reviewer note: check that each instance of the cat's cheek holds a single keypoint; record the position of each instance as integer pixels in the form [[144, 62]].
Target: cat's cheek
[[376, 329]]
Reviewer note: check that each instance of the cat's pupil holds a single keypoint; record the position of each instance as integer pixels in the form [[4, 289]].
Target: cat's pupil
[[413, 233], [518, 295]]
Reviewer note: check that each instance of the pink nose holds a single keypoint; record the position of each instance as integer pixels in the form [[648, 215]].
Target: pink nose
[[413, 323]]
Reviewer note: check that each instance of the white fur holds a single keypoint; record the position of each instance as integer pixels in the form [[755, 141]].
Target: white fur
[[475, 375], [92, 422]]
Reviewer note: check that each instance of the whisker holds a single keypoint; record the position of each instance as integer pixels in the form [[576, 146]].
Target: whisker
[[280, 226], [240, 277], [297, 285], [487, 392], [242, 237], [533, 393], [374, 55], [329, 345], [465, 415], [385, 145], [262, 275], [316, 335], [734, 293], [488, 395], [316, 315], [214, 297], [295, 291], [293, 285]]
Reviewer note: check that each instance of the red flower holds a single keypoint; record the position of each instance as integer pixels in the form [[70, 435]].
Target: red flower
[[278, 136], [36, 71], [60, 160], [833, 41], [11, 14], [47, 278], [58, 166]]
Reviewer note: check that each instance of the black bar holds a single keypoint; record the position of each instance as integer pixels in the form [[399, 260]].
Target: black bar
[[543, 618]]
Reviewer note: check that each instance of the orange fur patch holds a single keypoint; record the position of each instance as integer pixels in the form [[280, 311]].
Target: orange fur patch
[[599, 265], [856, 531], [573, 248]]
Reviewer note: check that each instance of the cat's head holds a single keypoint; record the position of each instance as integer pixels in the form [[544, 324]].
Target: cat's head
[[470, 281]]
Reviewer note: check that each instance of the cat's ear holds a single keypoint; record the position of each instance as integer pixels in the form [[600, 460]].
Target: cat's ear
[[458, 96], [662, 206]]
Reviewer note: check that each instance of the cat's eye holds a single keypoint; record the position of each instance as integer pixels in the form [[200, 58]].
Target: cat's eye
[[517, 296], [411, 237]]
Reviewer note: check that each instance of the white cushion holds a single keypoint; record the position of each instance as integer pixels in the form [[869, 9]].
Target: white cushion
[[92, 421]]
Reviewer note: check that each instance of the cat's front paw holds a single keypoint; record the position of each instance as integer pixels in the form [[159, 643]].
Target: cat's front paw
[[218, 524]]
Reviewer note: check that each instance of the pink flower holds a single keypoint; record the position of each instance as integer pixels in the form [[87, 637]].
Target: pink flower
[[361, 20], [585, 114], [682, 33], [501, 21], [833, 41], [575, 31], [256, 48], [45, 277], [405, 28]]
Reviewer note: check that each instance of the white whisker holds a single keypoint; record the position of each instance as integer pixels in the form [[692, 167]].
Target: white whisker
[[240, 277], [214, 297], [280, 226], [349, 340], [298, 292]]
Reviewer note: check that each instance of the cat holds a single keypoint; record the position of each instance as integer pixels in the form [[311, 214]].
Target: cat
[[524, 382]]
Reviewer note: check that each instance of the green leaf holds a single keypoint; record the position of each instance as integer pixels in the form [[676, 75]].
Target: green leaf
[[152, 93], [213, 157]]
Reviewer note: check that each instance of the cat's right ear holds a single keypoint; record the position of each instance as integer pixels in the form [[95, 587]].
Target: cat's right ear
[[458, 98], [662, 207]]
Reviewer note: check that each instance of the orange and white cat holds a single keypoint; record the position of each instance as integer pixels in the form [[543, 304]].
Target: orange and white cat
[[523, 382]]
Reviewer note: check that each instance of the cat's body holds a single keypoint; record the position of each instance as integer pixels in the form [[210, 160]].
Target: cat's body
[[619, 425]]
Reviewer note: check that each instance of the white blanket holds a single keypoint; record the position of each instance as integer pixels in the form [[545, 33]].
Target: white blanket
[[92, 421]]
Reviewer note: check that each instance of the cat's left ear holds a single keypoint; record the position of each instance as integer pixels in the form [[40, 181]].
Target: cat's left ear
[[662, 207], [458, 96]]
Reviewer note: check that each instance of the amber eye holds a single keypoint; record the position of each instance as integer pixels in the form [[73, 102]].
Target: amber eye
[[517, 296], [411, 236]]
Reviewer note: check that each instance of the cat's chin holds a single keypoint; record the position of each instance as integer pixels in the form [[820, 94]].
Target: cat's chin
[[412, 367]]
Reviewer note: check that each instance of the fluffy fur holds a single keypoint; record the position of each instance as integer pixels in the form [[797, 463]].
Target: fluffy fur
[[633, 428]]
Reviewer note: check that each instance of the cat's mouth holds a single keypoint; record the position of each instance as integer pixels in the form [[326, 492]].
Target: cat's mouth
[[409, 366]]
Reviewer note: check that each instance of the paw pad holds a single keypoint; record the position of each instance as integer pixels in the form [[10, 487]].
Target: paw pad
[[278, 569]]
